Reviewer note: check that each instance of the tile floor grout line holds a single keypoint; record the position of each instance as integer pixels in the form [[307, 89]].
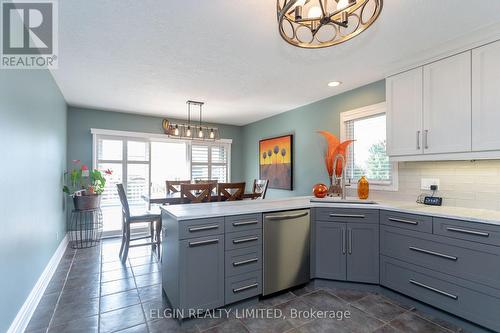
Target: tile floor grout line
[[61, 291]]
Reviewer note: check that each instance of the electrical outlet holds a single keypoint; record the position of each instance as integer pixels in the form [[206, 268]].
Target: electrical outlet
[[427, 182]]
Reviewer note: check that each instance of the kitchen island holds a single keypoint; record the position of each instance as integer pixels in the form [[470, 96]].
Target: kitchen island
[[446, 257]]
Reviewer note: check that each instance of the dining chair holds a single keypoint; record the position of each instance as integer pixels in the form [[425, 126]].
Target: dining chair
[[174, 186], [260, 188], [230, 191], [196, 193], [206, 181], [154, 221]]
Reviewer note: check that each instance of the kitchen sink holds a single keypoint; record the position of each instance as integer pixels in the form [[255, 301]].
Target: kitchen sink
[[348, 201]]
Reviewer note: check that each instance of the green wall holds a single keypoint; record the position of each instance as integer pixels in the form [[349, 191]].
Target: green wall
[[33, 151], [80, 121], [303, 122]]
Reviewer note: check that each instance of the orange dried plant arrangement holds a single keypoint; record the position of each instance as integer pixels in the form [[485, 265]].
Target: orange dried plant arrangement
[[334, 147]]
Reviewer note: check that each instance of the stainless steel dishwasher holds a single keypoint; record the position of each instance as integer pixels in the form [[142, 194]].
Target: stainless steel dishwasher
[[286, 250]]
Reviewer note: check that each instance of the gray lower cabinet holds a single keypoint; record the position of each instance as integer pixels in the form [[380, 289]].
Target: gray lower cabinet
[[347, 251], [202, 273], [330, 251], [362, 252], [469, 300]]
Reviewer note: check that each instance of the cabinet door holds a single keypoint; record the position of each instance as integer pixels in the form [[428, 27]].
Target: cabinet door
[[447, 105], [202, 272], [330, 250], [404, 113], [363, 252], [485, 97]]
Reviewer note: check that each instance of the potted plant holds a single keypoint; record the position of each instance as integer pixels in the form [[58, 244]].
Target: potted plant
[[85, 186]]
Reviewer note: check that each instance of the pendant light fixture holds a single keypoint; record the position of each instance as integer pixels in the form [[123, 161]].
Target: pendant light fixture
[[322, 23], [191, 130]]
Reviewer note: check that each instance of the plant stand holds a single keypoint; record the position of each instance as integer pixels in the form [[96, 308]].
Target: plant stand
[[85, 228]]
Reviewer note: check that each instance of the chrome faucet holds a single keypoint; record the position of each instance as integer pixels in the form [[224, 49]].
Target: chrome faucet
[[342, 175]]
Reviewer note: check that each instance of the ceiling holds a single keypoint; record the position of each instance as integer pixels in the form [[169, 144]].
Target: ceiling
[[150, 56]]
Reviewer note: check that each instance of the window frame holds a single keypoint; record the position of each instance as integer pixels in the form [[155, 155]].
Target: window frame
[[209, 163], [365, 112]]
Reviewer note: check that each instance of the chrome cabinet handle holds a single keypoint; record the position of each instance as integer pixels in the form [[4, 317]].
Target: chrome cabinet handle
[[205, 227], [403, 221], [205, 242], [343, 241], [244, 240], [250, 286], [470, 232], [245, 262], [418, 140], [348, 216], [444, 293], [349, 232], [238, 224], [437, 254], [286, 217], [426, 145]]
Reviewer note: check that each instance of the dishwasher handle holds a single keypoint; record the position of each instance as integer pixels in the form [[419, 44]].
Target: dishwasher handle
[[286, 217]]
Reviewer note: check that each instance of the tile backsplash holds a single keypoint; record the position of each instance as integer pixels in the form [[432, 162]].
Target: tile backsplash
[[472, 184]]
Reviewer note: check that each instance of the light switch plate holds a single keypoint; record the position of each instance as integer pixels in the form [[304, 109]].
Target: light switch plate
[[427, 182]]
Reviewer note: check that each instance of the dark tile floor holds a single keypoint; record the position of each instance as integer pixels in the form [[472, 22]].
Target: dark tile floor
[[92, 291]]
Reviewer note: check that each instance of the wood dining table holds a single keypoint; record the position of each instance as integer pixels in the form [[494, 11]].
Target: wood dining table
[[175, 198]]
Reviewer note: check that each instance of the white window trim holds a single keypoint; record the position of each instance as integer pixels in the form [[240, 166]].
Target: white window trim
[[209, 162], [97, 132], [367, 111]]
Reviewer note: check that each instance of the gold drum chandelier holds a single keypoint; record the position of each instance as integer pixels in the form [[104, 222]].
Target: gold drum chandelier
[[322, 23]]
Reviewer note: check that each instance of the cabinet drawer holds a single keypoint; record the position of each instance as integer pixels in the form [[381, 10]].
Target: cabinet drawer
[[347, 215], [466, 299], [243, 260], [243, 222], [451, 256], [201, 227], [243, 286], [471, 231], [406, 221], [242, 239]]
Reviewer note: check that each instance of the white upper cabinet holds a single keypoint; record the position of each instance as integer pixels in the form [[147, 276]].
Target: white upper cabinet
[[447, 105], [486, 97], [404, 113]]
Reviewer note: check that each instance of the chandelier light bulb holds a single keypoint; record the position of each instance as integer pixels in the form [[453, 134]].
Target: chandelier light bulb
[[342, 4], [188, 132], [200, 133], [314, 12], [212, 134], [176, 131]]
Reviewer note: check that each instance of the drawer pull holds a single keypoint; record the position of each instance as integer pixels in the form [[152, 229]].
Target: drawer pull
[[205, 227], [205, 242], [245, 240], [444, 293], [356, 216], [286, 217], [245, 262], [239, 224], [437, 254], [403, 221], [250, 286], [470, 232]]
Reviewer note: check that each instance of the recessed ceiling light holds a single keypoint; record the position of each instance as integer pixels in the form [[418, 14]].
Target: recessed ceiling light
[[334, 84]]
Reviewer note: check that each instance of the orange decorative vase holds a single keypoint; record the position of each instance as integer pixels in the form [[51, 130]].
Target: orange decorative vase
[[363, 188]]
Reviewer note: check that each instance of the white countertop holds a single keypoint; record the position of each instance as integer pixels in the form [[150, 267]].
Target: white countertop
[[204, 210]]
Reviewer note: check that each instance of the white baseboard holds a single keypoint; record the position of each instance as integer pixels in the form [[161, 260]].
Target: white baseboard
[[23, 317]]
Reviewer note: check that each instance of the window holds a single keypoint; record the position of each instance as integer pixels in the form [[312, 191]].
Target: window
[[142, 162], [367, 154], [210, 161]]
